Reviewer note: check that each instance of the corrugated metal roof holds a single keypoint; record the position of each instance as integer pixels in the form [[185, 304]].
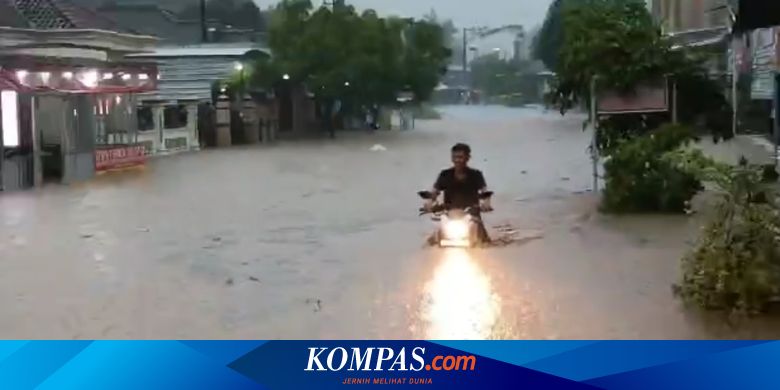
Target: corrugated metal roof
[[187, 72], [202, 51], [699, 37], [187, 79]]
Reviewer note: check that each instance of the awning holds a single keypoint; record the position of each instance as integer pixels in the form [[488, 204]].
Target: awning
[[699, 38], [33, 82], [8, 83], [755, 14]]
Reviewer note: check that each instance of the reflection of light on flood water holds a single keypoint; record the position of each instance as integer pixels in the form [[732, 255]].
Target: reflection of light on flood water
[[459, 302]]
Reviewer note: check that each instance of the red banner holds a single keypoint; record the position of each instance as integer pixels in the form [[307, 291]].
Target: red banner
[[119, 157]]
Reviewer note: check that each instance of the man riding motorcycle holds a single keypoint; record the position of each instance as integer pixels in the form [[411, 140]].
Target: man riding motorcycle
[[462, 187]]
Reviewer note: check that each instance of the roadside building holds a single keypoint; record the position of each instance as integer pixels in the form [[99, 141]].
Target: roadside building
[[67, 103], [171, 118]]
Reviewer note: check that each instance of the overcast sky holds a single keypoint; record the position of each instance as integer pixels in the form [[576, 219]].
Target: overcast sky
[[464, 13]]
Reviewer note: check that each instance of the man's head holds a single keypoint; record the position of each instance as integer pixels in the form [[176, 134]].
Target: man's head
[[461, 154]]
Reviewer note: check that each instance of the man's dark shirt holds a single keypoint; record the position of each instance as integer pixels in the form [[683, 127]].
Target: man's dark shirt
[[460, 193]]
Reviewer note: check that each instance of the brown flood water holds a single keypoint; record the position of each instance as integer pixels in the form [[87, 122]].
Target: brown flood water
[[320, 239]]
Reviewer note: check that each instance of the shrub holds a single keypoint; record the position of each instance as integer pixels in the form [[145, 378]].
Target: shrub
[[639, 180], [735, 265]]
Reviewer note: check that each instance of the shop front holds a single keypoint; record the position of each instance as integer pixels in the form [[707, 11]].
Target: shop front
[[63, 123]]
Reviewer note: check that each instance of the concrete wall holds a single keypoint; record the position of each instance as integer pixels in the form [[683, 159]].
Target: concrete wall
[[683, 15]]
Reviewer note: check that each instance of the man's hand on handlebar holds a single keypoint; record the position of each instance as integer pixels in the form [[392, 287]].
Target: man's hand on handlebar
[[485, 206]]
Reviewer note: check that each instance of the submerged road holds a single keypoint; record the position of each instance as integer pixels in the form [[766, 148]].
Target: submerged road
[[321, 239]]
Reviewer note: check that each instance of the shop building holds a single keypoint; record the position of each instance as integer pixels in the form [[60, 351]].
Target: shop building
[[68, 102]]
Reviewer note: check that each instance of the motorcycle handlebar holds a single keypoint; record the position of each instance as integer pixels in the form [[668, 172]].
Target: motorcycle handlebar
[[439, 209]]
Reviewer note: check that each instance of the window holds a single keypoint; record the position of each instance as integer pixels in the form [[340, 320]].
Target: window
[[145, 118], [114, 119], [175, 117]]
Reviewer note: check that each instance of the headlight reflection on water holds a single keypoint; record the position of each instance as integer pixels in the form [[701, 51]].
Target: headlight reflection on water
[[459, 302]]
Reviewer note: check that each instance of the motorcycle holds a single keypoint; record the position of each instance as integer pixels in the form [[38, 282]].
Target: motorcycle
[[457, 228]]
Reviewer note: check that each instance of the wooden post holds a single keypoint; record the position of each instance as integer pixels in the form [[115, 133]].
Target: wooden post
[[594, 151], [36, 140], [224, 137], [674, 102], [251, 123]]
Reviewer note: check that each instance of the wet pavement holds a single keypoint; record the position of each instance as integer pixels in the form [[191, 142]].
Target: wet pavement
[[321, 239]]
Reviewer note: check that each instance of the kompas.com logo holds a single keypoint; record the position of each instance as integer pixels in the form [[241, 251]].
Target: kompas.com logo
[[384, 359]]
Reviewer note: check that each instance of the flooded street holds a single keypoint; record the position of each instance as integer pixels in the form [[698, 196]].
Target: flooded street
[[321, 239]]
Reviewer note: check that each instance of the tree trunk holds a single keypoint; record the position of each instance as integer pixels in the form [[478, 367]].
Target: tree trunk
[[327, 117]]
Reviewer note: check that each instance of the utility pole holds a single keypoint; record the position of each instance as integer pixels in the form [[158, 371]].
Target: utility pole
[[465, 51], [203, 29]]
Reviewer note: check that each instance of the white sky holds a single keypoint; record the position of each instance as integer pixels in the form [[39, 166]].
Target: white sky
[[464, 13]]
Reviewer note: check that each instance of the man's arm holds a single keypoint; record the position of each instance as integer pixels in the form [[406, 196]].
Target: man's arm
[[482, 185], [438, 187]]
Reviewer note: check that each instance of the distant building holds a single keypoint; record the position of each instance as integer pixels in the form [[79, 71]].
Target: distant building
[[685, 15], [169, 116], [508, 42], [702, 24]]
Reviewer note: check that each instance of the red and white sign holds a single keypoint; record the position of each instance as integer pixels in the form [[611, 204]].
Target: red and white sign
[[119, 157]]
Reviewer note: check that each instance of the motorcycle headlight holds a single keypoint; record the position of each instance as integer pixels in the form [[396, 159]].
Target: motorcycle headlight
[[456, 230]]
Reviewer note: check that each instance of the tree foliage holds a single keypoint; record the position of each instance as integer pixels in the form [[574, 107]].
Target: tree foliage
[[449, 30], [616, 41], [548, 42], [618, 44], [638, 180], [339, 54], [735, 265]]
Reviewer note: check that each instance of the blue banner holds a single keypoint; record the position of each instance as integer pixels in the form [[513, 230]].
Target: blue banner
[[434, 365]]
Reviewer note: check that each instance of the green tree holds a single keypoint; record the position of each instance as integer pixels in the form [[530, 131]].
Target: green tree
[[361, 60], [425, 58], [617, 43], [547, 43], [616, 40], [448, 28]]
